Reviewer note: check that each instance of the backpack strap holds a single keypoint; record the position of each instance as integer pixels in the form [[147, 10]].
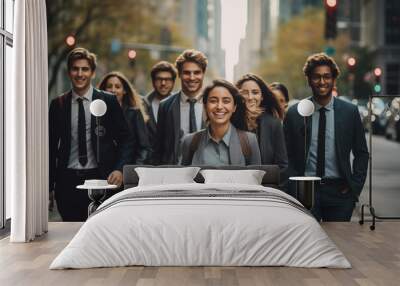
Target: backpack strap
[[194, 144], [245, 145]]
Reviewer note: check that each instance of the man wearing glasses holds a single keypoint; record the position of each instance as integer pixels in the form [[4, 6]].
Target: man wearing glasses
[[334, 131], [163, 75]]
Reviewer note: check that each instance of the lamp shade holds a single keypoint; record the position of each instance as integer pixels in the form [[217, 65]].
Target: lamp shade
[[98, 107], [305, 107]]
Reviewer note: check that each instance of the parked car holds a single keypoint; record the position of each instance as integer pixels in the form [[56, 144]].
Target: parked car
[[379, 117], [392, 130]]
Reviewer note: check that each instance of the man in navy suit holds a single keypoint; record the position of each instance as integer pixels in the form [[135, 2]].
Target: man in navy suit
[[333, 132], [181, 113], [73, 139]]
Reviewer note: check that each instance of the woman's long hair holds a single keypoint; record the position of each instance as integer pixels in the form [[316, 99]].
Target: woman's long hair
[[268, 103], [131, 98], [238, 117]]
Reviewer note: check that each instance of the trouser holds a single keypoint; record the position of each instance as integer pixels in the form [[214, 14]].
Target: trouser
[[73, 203], [330, 203]]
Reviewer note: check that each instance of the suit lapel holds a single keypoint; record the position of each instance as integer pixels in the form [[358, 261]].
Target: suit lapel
[[176, 116], [235, 150], [148, 101], [93, 136], [338, 123], [308, 125], [67, 107]]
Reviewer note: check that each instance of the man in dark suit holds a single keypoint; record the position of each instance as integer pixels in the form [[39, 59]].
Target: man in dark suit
[[163, 75], [73, 139], [182, 112], [333, 132]]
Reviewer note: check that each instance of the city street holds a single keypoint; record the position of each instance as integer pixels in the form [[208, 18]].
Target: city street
[[385, 177]]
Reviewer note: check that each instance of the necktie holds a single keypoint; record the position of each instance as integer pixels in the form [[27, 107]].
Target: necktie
[[321, 144], [82, 134], [192, 116]]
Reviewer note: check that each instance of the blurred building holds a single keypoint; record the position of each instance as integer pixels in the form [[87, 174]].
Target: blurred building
[[375, 25], [380, 33], [200, 21], [263, 19]]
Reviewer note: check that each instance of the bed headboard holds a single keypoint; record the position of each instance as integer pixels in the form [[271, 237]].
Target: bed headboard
[[270, 179]]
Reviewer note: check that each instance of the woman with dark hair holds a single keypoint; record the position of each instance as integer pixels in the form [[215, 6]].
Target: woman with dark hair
[[133, 108], [223, 142], [263, 118], [281, 94]]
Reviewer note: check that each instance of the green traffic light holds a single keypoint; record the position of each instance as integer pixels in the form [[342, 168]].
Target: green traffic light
[[377, 88]]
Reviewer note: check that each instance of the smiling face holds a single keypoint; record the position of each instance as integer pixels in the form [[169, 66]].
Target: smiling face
[[220, 106], [251, 93], [163, 83], [81, 75], [322, 82], [115, 86], [192, 77]]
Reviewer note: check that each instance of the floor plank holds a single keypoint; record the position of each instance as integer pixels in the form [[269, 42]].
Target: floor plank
[[374, 255]]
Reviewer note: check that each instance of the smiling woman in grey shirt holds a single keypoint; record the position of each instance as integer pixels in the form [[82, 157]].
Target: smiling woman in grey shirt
[[223, 142]]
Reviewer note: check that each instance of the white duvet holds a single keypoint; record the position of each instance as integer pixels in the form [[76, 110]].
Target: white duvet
[[207, 230]]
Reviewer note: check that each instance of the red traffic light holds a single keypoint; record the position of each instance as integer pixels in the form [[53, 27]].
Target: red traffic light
[[331, 3], [377, 71], [131, 54], [351, 61], [70, 40]]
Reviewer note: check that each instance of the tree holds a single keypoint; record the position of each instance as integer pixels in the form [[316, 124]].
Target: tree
[[95, 24], [300, 37]]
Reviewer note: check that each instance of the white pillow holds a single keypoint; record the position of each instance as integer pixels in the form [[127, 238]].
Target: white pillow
[[166, 176], [248, 177]]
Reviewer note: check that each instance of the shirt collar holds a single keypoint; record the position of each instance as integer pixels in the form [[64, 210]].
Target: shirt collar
[[184, 97], [87, 96], [329, 106], [226, 139]]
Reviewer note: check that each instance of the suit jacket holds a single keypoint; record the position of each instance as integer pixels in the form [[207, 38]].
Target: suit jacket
[[235, 149], [138, 131], [116, 145], [349, 137], [152, 123], [169, 134], [271, 141]]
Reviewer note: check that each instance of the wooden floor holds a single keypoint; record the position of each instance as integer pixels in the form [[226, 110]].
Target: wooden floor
[[374, 255]]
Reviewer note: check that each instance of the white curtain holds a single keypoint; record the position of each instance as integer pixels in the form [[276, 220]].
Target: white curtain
[[27, 124]]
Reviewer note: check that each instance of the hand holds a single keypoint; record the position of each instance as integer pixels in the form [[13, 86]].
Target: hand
[[115, 178], [51, 201], [345, 190]]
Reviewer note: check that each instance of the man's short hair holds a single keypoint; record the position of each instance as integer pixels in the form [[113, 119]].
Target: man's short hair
[[163, 66], [81, 54], [320, 59], [191, 56]]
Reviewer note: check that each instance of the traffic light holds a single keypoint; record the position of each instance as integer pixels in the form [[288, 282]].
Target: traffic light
[[131, 57], [377, 85], [132, 54], [330, 19], [70, 41], [351, 63]]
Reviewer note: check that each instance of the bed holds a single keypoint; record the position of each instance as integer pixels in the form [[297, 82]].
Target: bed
[[201, 224]]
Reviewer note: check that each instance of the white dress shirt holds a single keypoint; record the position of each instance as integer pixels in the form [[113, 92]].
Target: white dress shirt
[[185, 113], [74, 152]]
